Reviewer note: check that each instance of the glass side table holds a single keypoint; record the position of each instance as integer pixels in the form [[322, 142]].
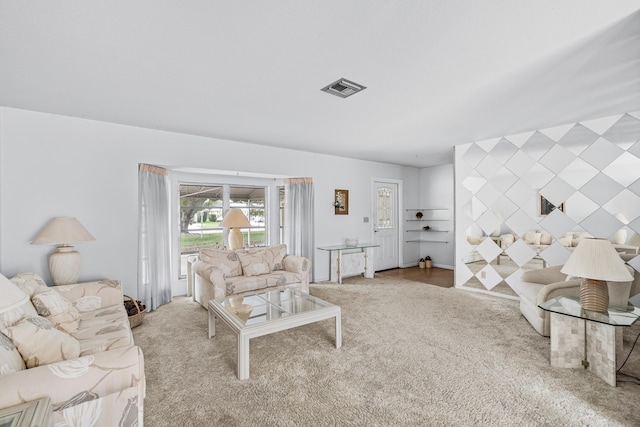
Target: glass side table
[[589, 339], [34, 413]]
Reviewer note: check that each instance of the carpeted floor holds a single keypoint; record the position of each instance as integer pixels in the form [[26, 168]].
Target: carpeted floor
[[413, 354]]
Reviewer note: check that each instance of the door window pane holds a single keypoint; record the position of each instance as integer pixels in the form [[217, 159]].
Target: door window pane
[[385, 209]]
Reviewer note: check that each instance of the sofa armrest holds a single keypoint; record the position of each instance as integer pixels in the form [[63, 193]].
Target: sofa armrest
[[296, 264], [74, 381], [109, 291], [213, 276], [567, 288]]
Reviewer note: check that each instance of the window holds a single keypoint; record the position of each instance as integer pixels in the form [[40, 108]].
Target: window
[[202, 208], [281, 213], [386, 216]]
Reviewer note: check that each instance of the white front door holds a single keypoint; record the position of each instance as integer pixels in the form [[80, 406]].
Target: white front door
[[385, 225]]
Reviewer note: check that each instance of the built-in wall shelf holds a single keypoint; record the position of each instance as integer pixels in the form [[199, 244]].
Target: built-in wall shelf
[[427, 241], [431, 230], [432, 214]]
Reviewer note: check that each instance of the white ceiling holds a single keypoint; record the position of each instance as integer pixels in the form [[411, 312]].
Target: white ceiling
[[438, 73]]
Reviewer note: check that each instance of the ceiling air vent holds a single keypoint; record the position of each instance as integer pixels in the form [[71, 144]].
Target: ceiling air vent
[[343, 88]]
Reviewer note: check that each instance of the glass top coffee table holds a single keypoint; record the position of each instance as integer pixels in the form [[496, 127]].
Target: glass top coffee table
[[256, 314]]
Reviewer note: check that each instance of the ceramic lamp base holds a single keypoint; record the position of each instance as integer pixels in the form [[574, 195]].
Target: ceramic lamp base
[[235, 239], [594, 295], [64, 265]]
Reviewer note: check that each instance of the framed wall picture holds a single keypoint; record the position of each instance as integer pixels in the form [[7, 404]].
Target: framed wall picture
[[545, 207], [341, 202]]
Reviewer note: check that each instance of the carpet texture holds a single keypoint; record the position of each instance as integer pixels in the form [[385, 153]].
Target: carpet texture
[[413, 354]]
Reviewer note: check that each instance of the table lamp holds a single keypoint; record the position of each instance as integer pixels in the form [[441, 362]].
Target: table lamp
[[65, 262], [596, 262], [234, 219], [12, 296]]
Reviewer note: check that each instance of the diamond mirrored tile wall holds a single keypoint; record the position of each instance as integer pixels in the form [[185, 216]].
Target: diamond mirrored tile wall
[[572, 180]]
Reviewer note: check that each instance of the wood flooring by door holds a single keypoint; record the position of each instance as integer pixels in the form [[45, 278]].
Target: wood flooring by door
[[433, 276]]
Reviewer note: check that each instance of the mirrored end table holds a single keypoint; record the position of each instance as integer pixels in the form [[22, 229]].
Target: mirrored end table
[[589, 339]]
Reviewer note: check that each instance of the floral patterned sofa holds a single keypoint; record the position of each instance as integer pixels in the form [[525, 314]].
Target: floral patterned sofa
[[72, 343], [219, 272]]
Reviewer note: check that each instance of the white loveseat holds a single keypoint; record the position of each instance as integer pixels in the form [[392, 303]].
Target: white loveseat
[[73, 344], [220, 272]]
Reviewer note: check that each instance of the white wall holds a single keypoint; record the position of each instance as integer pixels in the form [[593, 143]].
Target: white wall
[[436, 191], [54, 165]]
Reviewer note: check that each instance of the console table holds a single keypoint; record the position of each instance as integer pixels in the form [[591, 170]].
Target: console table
[[347, 261], [589, 339]]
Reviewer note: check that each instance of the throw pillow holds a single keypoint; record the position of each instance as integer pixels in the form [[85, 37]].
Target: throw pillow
[[57, 309], [536, 238], [10, 359], [253, 264], [529, 238], [565, 240], [545, 238], [227, 261], [273, 255], [39, 343], [13, 316], [28, 282]]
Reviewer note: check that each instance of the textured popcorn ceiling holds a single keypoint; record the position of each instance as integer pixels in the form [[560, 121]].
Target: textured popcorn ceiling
[[438, 73]]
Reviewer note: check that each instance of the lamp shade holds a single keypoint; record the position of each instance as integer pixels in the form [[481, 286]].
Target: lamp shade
[[597, 259], [235, 218], [12, 296], [62, 230]]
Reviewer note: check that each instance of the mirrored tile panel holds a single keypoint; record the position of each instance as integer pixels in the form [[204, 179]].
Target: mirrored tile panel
[[528, 204]]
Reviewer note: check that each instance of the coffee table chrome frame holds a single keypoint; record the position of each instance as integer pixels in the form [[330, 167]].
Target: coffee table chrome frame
[[245, 332]]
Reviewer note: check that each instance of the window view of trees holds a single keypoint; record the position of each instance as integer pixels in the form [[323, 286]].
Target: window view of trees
[[202, 210]]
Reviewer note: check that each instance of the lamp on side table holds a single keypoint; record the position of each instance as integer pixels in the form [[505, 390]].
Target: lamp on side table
[[65, 262], [234, 219], [596, 261]]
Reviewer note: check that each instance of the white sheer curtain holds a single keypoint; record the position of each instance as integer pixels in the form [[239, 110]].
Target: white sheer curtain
[[154, 237], [298, 216]]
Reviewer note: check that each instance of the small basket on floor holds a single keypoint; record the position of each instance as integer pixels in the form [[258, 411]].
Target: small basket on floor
[[136, 318]]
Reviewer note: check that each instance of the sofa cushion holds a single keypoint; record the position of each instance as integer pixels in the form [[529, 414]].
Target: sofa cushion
[[283, 278], [544, 276], [104, 329], [56, 308], [239, 284], [39, 343], [10, 359], [227, 261], [253, 263], [530, 292]]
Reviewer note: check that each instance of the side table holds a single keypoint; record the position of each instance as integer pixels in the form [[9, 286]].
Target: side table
[[589, 339], [36, 413]]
